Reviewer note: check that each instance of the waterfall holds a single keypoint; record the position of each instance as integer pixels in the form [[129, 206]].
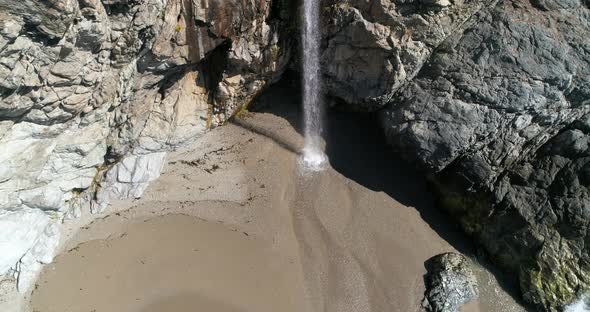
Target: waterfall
[[313, 155]]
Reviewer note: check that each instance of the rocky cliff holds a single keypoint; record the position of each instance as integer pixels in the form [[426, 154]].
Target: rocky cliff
[[491, 98], [92, 93], [499, 117]]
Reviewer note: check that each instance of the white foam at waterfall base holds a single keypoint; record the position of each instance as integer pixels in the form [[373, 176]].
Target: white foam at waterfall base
[[314, 159], [579, 306]]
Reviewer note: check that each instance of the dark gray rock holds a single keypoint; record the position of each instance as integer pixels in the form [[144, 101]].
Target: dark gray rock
[[498, 118], [373, 48], [450, 283]]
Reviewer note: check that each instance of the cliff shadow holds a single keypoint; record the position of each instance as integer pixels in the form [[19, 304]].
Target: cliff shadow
[[283, 99], [357, 149]]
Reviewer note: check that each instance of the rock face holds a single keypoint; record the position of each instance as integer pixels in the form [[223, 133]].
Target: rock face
[[374, 48], [450, 283], [92, 93], [492, 100], [499, 116]]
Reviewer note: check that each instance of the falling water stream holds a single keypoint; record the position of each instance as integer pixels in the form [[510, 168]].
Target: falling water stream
[[313, 156]]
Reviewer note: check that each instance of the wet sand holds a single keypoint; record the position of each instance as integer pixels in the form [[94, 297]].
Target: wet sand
[[233, 224]]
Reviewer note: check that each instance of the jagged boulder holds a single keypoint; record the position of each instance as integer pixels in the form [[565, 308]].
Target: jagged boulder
[[450, 283]]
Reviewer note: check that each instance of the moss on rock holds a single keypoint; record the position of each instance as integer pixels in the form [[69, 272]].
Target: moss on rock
[[556, 279], [470, 209], [550, 278]]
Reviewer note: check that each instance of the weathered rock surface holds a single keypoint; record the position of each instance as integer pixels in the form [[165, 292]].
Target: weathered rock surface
[[450, 283], [373, 48], [92, 94], [499, 117]]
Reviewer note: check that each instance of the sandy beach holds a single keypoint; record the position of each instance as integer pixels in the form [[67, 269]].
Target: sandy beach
[[233, 224]]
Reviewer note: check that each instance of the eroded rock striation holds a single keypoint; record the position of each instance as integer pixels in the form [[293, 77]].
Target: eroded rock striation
[[93, 93]]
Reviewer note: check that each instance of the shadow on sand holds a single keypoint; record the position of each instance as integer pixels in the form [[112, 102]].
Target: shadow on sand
[[357, 149]]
